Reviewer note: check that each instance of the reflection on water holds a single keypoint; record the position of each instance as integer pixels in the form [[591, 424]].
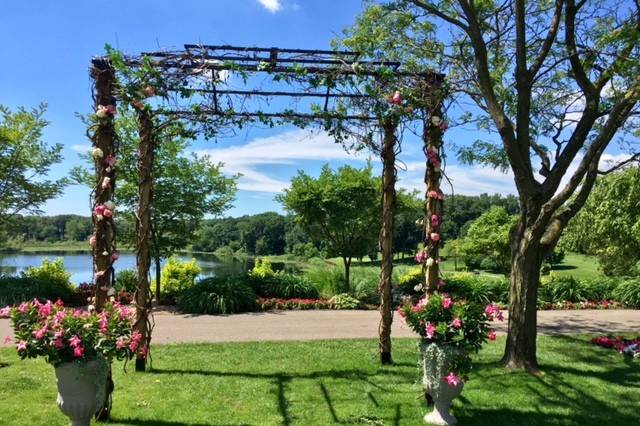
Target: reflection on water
[[79, 264]]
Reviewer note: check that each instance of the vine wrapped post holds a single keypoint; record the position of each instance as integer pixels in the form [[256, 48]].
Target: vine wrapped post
[[103, 240], [434, 127], [388, 156], [146, 150]]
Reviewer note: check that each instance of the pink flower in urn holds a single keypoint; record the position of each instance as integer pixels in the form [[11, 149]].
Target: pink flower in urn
[[39, 334], [58, 343], [24, 307], [21, 346], [396, 98], [110, 160], [435, 236], [121, 343], [107, 213], [447, 302], [435, 220], [430, 330], [452, 380], [148, 91], [74, 341], [456, 323], [491, 335], [78, 351]]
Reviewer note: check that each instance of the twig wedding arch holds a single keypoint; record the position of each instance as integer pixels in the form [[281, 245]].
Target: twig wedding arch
[[213, 90]]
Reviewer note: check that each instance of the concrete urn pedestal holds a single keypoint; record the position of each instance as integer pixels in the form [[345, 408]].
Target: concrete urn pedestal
[[436, 360], [81, 387]]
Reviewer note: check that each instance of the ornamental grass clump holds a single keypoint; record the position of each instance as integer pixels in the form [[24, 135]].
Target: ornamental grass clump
[[458, 324], [63, 335]]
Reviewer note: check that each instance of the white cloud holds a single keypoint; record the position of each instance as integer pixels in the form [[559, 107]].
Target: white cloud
[[272, 6], [81, 148], [286, 149]]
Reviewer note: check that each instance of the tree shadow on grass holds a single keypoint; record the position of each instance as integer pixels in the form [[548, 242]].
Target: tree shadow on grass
[[145, 422], [281, 381]]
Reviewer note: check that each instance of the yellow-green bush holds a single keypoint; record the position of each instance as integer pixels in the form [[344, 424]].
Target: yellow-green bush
[[51, 271], [178, 276]]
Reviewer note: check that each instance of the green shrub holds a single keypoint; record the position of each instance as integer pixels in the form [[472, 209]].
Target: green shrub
[[50, 271], [15, 290], [126, 280], [364, 284], [217, 295], [561, 289], [628, 293], [262, 269], [178, 276], [598, 289], [283, 285], [344, 301], [409, 281], [328, 280], [477, 288]]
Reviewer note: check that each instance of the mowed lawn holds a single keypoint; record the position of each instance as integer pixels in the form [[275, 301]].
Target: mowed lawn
[[337, 382]]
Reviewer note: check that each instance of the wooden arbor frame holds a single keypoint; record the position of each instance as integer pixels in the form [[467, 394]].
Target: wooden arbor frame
[[196, 87]]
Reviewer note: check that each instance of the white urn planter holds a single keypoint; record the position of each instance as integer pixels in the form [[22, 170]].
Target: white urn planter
[[436, 360], [81, 387]]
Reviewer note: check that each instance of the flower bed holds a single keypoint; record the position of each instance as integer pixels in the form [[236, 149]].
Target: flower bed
[[566, 305], [628, 347], [268, 304]]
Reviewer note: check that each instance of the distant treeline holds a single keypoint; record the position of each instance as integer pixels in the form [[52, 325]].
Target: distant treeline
[[265, 233]]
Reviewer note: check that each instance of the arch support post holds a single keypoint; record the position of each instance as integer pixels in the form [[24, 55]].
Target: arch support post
[[103, 240], [146, 153], [388, 201]]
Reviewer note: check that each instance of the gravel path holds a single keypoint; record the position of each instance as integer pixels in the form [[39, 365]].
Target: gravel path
[[317, 325]]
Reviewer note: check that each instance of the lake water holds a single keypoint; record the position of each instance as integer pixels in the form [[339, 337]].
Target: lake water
[[79, 264]]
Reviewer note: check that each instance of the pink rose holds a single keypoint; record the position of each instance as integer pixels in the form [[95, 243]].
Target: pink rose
[[107, 213], [396, 98], [447, 302], [435, 236], [110, 160], [99, 210], [430, 330], [74, 341], [456, 323], [148, 91], [78, 351], [92, 241], [435, 220], [452, 380]]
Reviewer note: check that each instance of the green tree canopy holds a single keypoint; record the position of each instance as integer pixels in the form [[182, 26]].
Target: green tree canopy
[[488, 240], [25, 162], [609, 225], [340, 208]]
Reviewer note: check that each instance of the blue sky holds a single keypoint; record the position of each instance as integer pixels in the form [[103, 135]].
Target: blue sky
[[46, 48]]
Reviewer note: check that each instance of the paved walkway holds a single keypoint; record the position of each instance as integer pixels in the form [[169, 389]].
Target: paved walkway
[[316, 325]]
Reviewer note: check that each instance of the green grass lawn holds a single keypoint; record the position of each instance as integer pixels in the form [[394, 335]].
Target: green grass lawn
[[337, 382]]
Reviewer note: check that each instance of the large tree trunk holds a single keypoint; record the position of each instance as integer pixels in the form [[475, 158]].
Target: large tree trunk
[[347, 266], [143, 233], [526, 260], [386, 240]]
